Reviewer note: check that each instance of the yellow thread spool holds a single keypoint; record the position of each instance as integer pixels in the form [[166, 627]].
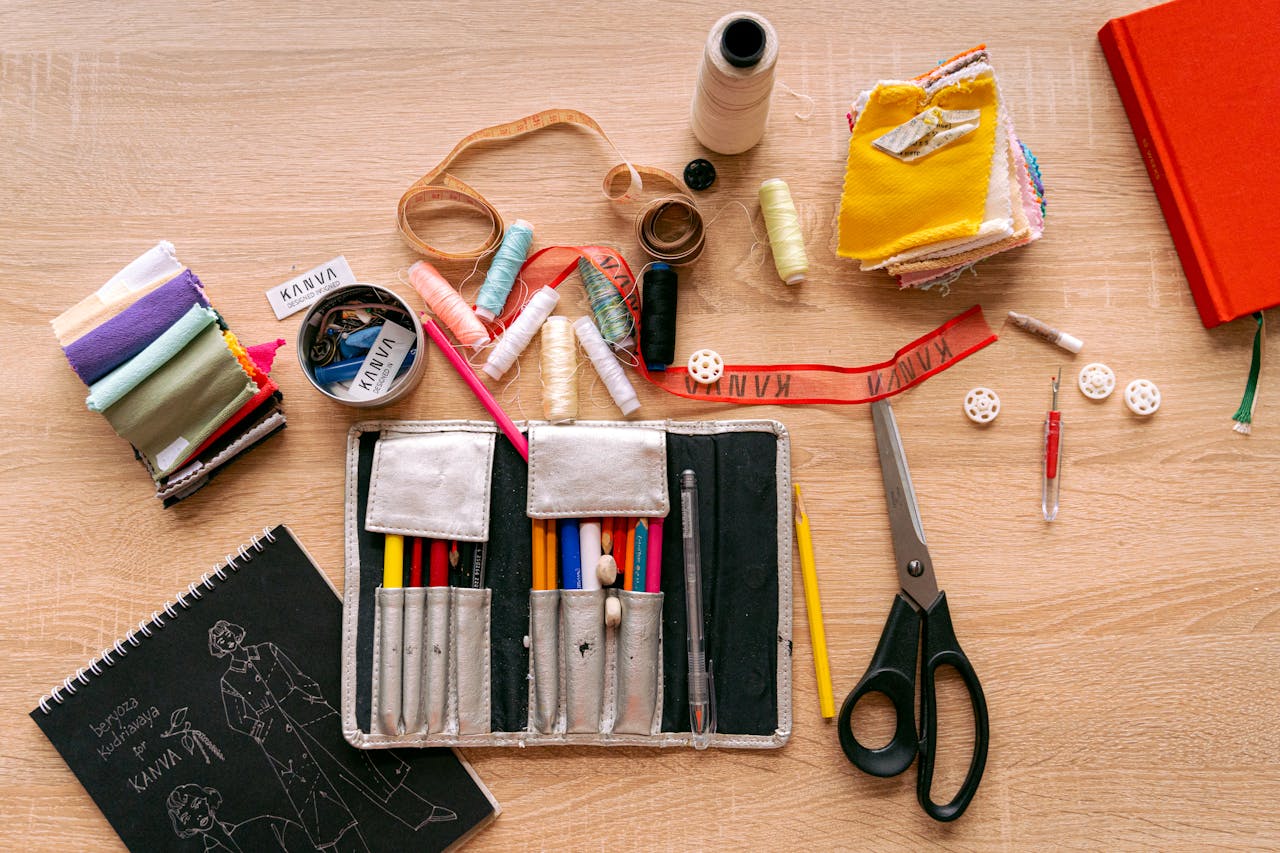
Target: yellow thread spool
[[785, 237], [559, 371]]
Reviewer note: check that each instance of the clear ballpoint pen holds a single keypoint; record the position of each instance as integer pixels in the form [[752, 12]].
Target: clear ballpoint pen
[[701, 700], [1052, 455]]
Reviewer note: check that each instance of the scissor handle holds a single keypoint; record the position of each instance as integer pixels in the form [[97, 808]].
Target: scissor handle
[[942, 649], [892, 673]]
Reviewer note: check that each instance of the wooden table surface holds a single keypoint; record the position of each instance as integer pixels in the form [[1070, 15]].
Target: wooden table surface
[[1130, 651]]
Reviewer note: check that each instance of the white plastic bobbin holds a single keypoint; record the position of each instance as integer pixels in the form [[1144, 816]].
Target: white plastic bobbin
[[706, 366], [982, 405], [1097, 381], [1142, 397]]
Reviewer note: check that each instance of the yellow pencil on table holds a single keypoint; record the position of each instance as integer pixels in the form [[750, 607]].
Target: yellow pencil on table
[[813, 606], [393, 561]]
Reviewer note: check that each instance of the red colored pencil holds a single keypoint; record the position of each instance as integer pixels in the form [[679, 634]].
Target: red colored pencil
[[415, 565], [439, 562]]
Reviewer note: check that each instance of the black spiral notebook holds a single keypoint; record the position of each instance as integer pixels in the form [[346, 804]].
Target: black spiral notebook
[[215, 727]]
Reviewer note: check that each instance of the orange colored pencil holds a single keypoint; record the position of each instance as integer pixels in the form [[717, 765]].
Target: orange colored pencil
[[553, 550], [630, 554], [539, 554]]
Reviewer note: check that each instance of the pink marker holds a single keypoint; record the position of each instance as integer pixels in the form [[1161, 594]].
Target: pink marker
[[468, 375], [653, 557]]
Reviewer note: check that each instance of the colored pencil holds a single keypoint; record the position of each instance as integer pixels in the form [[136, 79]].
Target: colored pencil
[[641, 556], [540, 554], [653, 572], [439, 563], [393, 561], [415, 562], [553, 555], [629, 555]]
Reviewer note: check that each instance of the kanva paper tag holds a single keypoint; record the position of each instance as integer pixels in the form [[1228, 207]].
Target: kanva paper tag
[[382, 363], [299, 292], [927, 132]]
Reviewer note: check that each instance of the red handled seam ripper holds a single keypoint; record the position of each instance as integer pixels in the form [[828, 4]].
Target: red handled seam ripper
[[1052, 455]]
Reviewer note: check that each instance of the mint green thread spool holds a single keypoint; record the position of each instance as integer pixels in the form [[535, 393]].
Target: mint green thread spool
[[502, 273], [609, 309]]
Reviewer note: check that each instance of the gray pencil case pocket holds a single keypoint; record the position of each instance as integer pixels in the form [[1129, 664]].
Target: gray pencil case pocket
[[544, 651], [639, 661], [411, 657], [470, 658], [583, 657], [435, 661], [390, 630]]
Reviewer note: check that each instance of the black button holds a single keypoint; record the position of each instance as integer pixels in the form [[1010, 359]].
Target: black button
[[699, 174]]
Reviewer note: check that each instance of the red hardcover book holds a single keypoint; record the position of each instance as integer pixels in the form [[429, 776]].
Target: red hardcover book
[[1200, 81]]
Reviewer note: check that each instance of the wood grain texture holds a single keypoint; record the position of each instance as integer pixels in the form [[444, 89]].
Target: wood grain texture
[[1130, 651]]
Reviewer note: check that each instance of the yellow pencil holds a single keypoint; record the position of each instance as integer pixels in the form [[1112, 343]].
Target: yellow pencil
[[393, 561], [539, 554], [813, 606]]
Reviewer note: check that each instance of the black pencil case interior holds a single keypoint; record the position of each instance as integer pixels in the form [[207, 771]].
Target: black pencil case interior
[[503, 665]]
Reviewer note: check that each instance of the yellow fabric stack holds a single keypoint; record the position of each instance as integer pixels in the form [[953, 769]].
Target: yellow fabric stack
[[936, 179]]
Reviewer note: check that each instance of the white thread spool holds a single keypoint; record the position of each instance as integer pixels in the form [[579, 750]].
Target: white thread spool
[[611, 372], [521, 332], [559, 371], [735, 82], [786, 239]]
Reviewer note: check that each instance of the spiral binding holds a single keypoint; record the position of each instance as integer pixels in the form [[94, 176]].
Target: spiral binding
[[94, 668]]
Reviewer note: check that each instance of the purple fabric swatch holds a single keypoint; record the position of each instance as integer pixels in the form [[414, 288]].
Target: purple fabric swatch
[[110, 345]]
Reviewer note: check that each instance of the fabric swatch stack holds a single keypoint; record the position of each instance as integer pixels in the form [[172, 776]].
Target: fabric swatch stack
[[937, 178], [168, 375]]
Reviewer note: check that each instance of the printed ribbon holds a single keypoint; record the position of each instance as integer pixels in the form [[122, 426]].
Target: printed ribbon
[[779, 384]]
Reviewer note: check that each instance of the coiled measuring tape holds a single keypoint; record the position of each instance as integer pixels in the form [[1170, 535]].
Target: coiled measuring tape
[[684, 241]]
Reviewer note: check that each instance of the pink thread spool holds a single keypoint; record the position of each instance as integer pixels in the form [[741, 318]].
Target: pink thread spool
[[447, 304]]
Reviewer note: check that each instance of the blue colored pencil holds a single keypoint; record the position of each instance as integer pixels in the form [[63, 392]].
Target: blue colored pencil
[[642, 554]]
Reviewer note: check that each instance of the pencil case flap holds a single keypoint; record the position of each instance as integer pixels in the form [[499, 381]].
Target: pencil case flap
[[431, 484], [593, 469]]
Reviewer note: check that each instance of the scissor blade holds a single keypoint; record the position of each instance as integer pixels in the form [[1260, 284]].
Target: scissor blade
[[915, 569]]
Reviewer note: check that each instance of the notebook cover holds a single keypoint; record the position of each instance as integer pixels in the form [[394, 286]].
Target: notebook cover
[[1198, 81], [230, 739]]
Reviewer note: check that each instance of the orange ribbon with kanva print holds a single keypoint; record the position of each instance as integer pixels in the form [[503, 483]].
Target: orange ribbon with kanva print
[[780, 384]]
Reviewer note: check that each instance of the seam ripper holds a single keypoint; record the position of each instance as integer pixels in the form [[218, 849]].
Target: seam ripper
[[1052, 455]]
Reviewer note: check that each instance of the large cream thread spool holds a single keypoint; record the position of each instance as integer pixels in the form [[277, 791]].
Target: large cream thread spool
[[735, 83]]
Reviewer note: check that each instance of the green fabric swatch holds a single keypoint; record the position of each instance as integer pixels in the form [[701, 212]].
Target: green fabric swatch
[[172, 411]]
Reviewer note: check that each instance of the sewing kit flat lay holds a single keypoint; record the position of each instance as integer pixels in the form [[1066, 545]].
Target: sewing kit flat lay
[[498, 592]]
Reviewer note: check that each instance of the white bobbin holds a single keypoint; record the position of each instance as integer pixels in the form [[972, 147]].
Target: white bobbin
[[1142, 397], [981, 405], [706, 366], [1097, 381]]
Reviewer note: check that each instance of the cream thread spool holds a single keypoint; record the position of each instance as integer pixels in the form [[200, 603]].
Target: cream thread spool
[[559, 371], [447, 304], [735, 83], [611, 372], [782, 221], [521, 332]]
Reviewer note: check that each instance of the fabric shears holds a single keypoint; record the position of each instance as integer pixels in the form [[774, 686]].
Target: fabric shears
[[919, 620]]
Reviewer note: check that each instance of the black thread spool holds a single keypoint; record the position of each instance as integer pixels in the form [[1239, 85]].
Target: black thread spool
[[658, 317]]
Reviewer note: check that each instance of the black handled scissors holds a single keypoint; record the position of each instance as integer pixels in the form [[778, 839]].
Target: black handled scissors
[[919, 617]]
